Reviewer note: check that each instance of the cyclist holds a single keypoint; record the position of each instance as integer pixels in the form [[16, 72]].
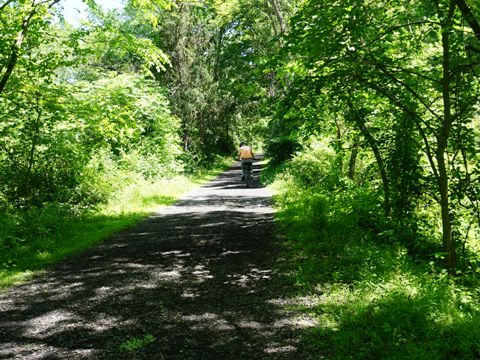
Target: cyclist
[[246, 156]]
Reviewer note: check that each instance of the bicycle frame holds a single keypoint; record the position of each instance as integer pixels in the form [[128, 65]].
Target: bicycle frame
[[247, 172]]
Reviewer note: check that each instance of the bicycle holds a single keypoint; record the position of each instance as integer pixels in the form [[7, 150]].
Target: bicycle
[[247, 173]]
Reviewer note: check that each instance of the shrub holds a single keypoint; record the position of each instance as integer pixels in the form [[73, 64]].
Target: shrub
[[314, 166]]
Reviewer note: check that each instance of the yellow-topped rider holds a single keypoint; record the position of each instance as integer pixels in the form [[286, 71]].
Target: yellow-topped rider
[[246, 156]]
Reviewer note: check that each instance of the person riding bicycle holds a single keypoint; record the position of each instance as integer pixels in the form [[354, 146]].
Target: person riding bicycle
[[246, 156]]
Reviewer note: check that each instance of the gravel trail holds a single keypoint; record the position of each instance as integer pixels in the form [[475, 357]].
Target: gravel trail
[[198, 280]]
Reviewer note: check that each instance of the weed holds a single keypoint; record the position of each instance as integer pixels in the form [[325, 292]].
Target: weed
[[137, 343]]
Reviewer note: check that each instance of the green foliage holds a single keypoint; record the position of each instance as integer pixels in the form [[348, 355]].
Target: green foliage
[[217, 84], [137, 343], [369, 297], [90, 117], [389, 80], [195, 164], [83, 129], [313, 166], [130, 117]]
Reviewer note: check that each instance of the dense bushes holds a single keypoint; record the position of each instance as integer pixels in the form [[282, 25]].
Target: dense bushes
[[71, 139], [355, 273], [120, 122], [416, 114], [118, 131], [321, 190]]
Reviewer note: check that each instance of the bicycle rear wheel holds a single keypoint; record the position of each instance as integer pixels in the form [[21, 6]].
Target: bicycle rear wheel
[[248, 180]]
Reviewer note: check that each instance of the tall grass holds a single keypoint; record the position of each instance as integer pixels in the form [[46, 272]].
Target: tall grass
[[370, 296]]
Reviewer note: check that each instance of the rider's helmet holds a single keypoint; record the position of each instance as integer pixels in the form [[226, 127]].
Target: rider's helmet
[[242, 144]]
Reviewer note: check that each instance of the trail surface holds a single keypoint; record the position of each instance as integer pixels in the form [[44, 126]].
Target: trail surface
[[198, 280]]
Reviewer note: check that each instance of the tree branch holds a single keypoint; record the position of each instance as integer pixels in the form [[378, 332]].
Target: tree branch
[[417, 120], [396, 27], [407, 87], [5, 4], [468, 15], [278, 13], [16, 46], [272, 20]]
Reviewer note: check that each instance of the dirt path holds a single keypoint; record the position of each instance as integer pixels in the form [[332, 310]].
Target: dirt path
[[200, 279]]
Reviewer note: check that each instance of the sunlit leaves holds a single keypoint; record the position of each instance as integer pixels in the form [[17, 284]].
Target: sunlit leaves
[[151, 9], [117, 46]]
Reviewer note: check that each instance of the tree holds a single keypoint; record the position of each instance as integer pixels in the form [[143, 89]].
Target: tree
[[20, 19], [76, 93], [413, 56], [216, 80]]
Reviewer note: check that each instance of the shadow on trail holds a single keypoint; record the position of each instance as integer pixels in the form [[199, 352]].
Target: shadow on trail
[[231, 179], [201, 277]]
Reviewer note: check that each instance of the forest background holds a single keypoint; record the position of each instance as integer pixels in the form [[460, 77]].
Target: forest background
[[367, 110]]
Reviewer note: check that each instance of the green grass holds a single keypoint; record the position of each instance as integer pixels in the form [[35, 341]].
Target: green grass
[[55, 234], [370, 297], [137, 343]]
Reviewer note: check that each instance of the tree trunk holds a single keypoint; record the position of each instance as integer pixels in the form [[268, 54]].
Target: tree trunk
[[468, 15], [381, 166], [272, 20], [15, 48], [353, 159], [378, 157], [448, 239], [278, 14], [339, 147], [11, 65], [31, 155]]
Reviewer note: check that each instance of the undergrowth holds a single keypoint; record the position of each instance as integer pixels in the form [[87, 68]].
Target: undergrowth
[[372, 298]]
